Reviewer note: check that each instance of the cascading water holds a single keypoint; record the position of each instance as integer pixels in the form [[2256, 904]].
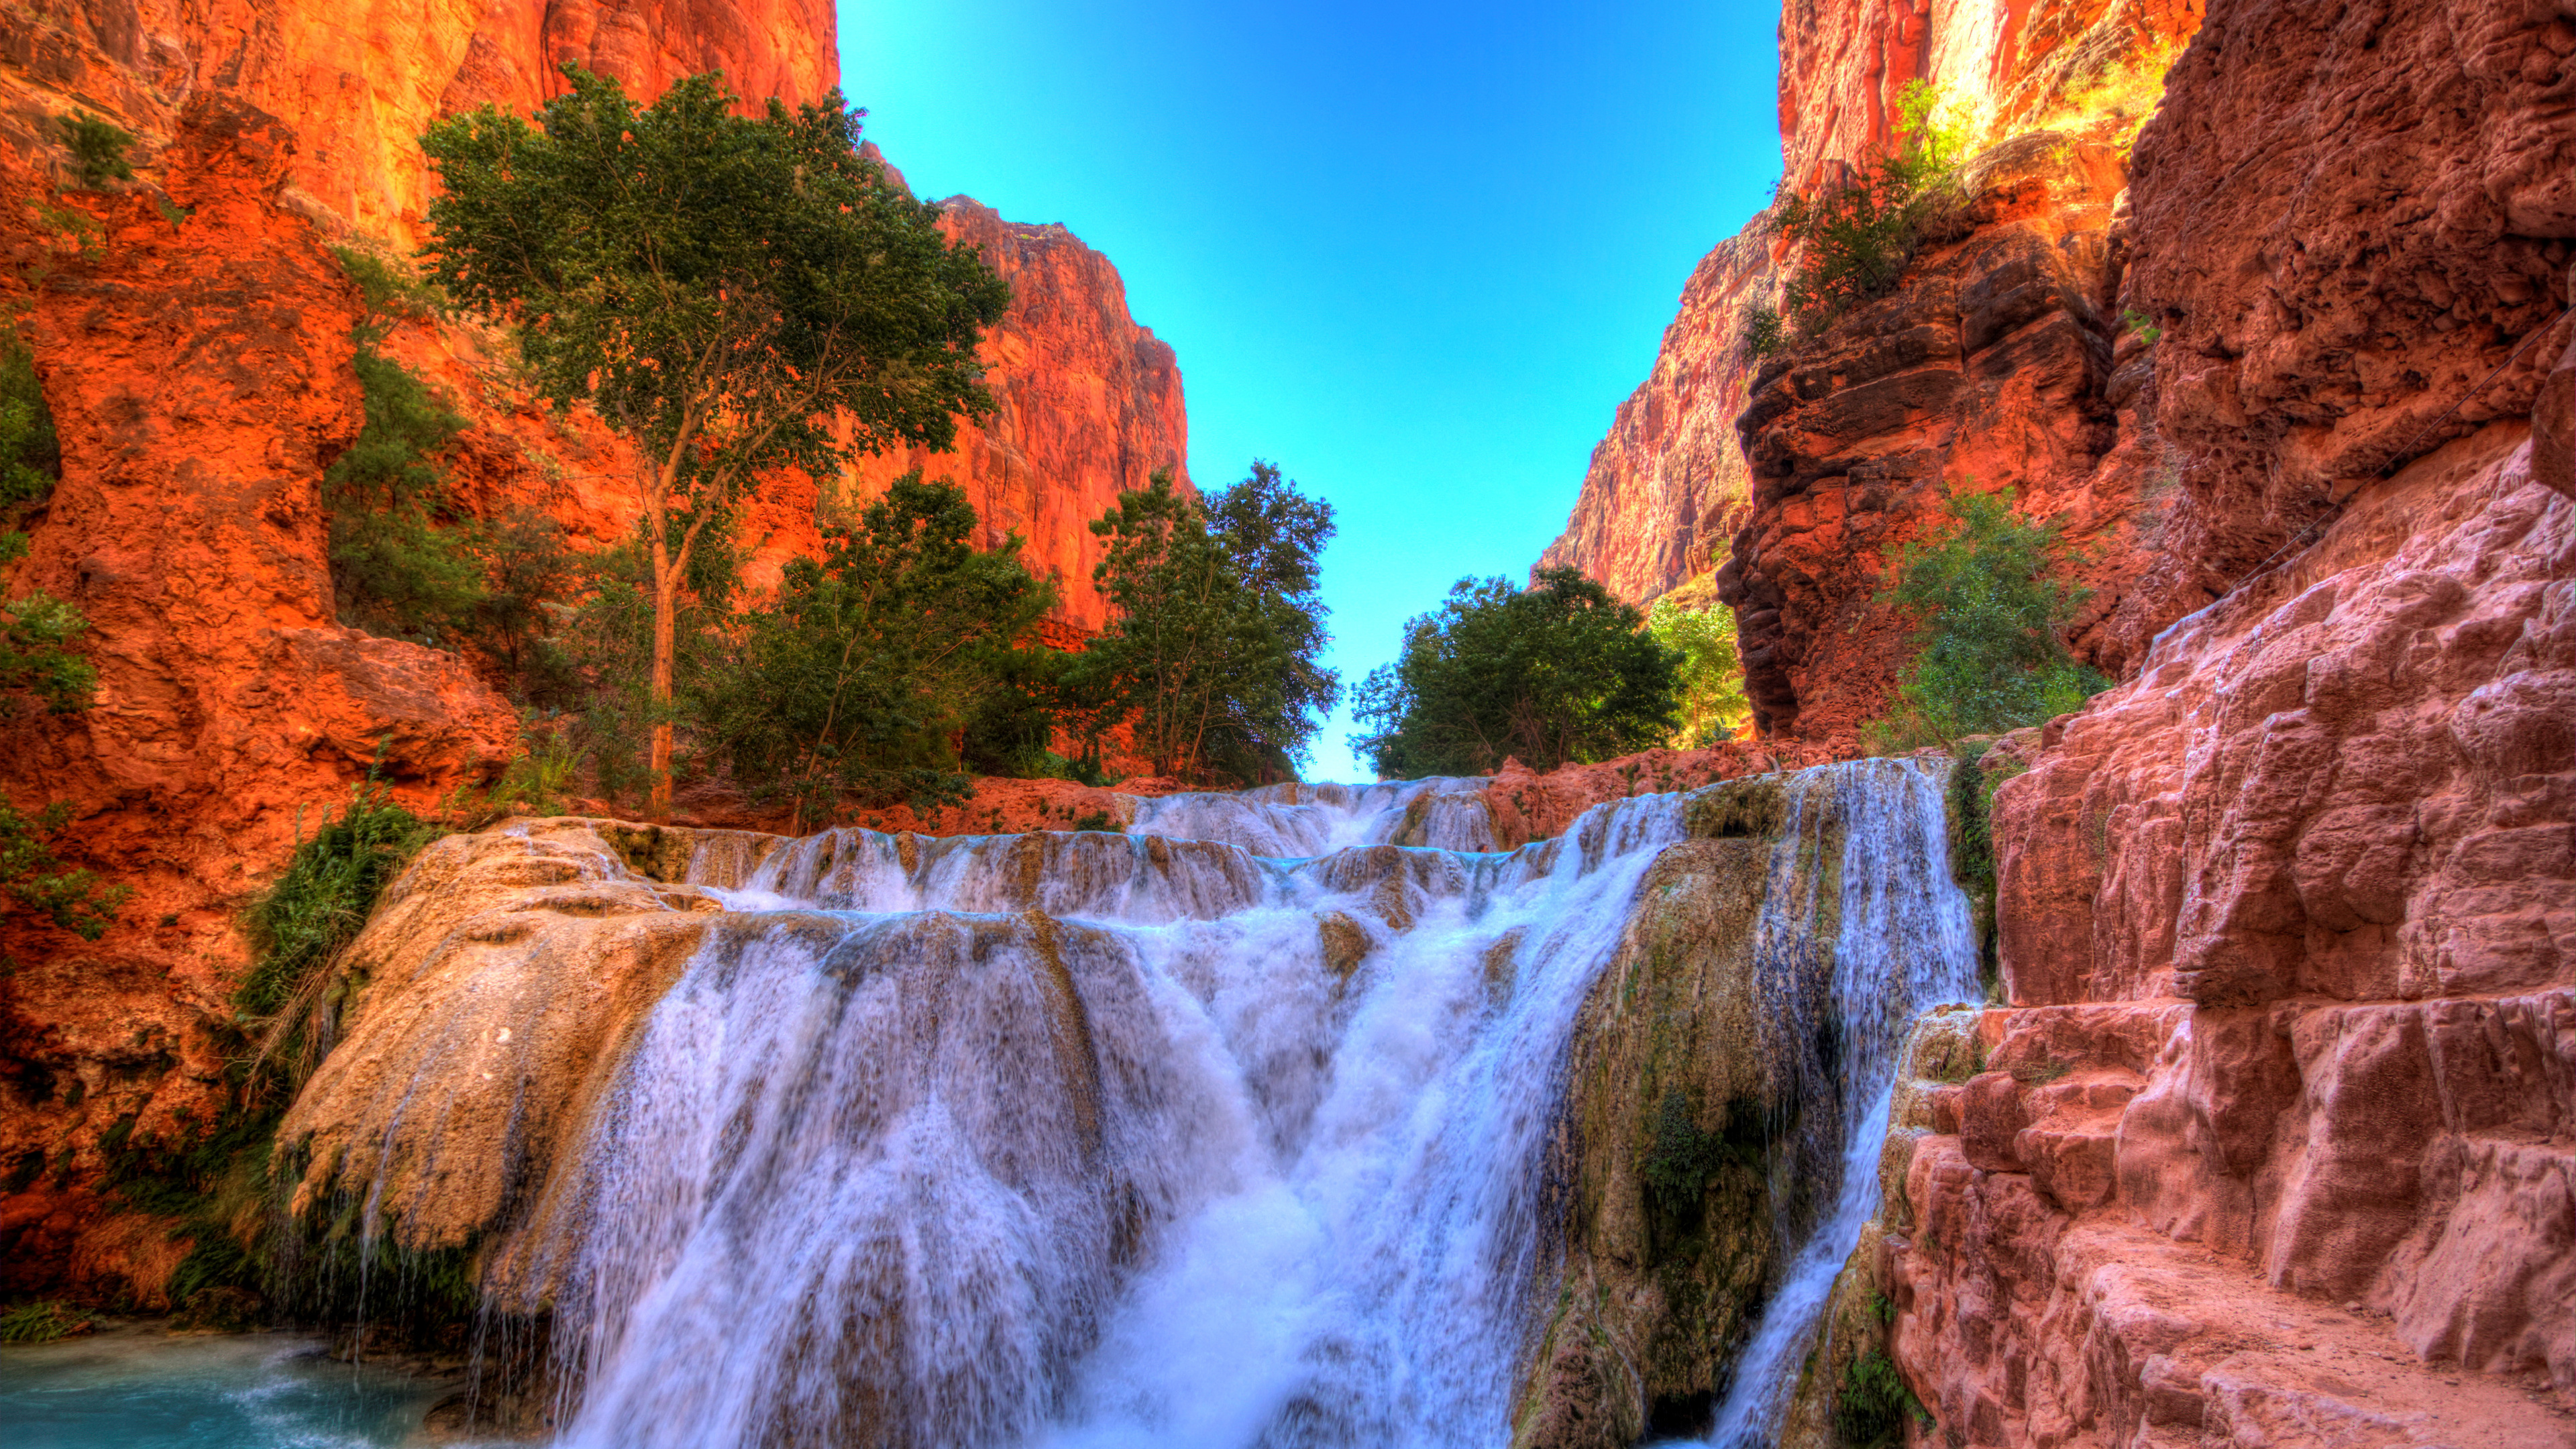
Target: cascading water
[[1231, 1131], [1902, 942]]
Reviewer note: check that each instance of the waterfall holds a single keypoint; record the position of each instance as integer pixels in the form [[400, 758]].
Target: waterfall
[[1234, 1130], [1901, 942]]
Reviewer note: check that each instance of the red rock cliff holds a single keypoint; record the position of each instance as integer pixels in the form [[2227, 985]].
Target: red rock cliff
[[198, 365]]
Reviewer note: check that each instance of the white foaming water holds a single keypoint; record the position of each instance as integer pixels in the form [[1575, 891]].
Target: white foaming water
[[1905, 944], [1084, 1140]]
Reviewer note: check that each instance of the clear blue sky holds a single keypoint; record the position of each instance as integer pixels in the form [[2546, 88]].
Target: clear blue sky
[[1415, 254]]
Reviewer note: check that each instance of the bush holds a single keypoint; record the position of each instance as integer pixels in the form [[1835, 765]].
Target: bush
[[31, 459], [1218, 631], [399, 570], [1987, 600], [1875, 1403], [861, 676], [1857, 235], [1557, 673], [329, 888], [1691, 622], [41, 1322], [98, 148], [1765, 331], [36, 879]]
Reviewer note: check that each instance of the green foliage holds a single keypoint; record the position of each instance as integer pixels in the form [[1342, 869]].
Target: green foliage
[[1858, 234], [1218, 627], [735, 294], [389, 293], [1875, 1403], [1099, 820], [329, 888], [37, 664], [37, 880], [1557, 673], [42, 1321], [98, 148], [1765, 331], [871, 662], [399, 568], [607, 642], [1685, 1158], [1987, 600], [30, 457], [2141, 326], [1701, 631]]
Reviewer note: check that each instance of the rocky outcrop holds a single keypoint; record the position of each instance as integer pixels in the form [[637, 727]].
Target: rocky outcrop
[[358, 85], [1993, 366], [199, 379], [2352, 235], [1089, 406], [2286, 927]]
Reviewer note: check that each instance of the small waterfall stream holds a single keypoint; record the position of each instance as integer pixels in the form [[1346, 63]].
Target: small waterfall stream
[[1231, 1131], [1902, 942]]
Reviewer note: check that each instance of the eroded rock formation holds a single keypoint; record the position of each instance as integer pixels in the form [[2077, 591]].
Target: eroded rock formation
[[2273, 1145], [196, 355]]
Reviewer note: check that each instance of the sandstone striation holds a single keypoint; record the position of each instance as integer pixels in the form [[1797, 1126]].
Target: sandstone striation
[[2286, 925]]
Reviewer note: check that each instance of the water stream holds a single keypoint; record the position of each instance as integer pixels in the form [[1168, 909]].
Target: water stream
[[1230, 1131]]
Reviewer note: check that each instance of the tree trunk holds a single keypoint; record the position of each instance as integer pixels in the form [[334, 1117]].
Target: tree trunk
[[666, 584]]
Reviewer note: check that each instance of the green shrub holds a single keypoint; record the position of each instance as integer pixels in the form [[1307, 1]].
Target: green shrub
[[1875, 1404], [324, 897], [399, 569], [41, 1322], [1987, 600], [35, 878], [1857, 235], [2141, 326], [1701, 631], [388, 292], [1555, 673], [1765, 330], [31, 458], [870, 662], [1100, 820], [98, 148]]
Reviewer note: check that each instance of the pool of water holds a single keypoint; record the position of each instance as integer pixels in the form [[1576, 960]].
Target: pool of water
[[142, 1388]]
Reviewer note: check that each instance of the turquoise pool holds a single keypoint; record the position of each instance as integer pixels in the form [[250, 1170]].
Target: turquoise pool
[[142, 1388]]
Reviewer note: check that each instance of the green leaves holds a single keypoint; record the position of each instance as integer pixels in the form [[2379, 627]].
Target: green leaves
[[36, 879], [857, 680], [1557, 673], [1711, 671], [714, 284], [1988, 602], [1219, 628]]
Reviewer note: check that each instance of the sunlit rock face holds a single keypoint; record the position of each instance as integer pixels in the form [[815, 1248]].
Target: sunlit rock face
[[2288, 925], [1089, 406], [199, 365]]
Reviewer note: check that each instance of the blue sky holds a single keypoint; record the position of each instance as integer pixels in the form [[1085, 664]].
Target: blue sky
[[1415, 254]]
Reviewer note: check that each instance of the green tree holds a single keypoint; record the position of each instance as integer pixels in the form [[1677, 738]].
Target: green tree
[[399, 568], [863, 674], [1557, 673], [1988, 595], [1275, 536], [1218, 627], [734, 294], [1701, 631]]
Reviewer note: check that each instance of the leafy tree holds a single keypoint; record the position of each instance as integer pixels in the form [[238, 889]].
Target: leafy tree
[[1701, 631], [1557, 673], [30, 457], [871, 663], [1988, 596], [736, 295], [1275, 535], [1218, 625], [608, 644]]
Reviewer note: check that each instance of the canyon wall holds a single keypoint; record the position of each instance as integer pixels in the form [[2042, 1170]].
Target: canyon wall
[[197, 358], [1670, 485]]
